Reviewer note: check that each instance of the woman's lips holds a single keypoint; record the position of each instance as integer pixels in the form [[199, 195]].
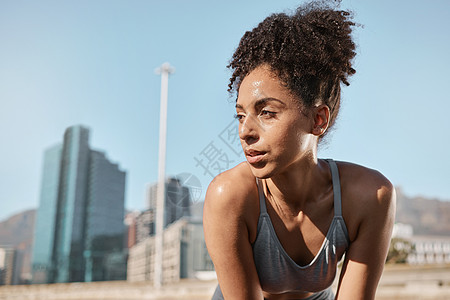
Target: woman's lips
[[254, 156]]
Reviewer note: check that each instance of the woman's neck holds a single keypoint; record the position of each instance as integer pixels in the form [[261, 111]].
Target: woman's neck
[[303, 182]]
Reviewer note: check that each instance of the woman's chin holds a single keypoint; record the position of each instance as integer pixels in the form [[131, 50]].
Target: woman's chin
[[262, 171]]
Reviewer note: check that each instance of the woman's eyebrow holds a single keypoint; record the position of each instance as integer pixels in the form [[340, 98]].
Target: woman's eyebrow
[[262, 102]]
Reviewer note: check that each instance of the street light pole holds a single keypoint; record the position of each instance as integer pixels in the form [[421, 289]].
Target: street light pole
[[164, 71]]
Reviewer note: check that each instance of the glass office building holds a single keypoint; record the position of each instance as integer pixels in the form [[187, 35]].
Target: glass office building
[[80, 217], [45, 223], [177, 200]]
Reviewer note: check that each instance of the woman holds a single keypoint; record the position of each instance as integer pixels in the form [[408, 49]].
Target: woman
[[277, 225]]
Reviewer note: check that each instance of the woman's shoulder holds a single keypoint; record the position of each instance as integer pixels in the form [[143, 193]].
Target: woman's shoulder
[[366, 194], [363, 181], [232, 189]]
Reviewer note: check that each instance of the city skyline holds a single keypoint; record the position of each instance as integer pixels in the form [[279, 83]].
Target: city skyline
[[65, 63]]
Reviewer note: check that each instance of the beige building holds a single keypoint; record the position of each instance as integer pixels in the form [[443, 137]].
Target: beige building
[[9, 271], [185, 254]]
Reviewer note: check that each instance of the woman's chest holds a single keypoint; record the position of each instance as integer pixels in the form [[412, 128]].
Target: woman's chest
[[302, 236]]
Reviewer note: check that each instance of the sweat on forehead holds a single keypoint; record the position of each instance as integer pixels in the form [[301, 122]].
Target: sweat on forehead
[[261, 87], [256, 90]]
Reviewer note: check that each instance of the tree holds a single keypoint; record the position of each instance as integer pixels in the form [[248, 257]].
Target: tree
[[399, 251]]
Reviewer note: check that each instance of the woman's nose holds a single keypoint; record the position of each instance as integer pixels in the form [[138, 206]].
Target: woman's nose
[[248, 129]]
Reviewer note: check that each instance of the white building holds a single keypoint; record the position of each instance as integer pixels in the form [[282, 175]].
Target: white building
[[422, 249], [402, 231], [430, 250]]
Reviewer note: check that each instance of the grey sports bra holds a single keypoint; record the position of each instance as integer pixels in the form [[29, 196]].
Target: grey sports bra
[[278, 273]]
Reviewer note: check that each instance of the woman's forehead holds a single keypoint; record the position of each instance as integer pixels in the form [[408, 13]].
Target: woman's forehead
[[263, 83]]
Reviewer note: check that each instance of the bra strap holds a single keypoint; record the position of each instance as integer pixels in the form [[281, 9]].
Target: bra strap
[[262, 198], [336, 187]]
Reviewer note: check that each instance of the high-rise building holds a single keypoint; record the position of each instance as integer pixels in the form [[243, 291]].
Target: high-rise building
[[177, 200], [79, 223], [185, 254]]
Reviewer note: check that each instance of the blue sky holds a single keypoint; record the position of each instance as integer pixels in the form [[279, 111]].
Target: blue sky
[[92, 62]]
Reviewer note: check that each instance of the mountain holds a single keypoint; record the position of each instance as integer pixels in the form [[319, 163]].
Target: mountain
[[17, 228], [426, 216]]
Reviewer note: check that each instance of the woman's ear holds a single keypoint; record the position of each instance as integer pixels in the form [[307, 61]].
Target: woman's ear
[[321, 119]]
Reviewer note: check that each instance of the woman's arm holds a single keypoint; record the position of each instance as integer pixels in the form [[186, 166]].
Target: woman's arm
[[225, 221], [365, 259]]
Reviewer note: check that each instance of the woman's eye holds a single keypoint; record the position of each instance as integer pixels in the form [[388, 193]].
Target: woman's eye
[[239, 117], [268, 113]]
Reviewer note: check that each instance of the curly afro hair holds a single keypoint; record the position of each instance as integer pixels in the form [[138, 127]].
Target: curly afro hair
[[311, 51]]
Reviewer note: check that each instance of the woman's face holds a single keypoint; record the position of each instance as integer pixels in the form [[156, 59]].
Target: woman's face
[[274, 127]]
